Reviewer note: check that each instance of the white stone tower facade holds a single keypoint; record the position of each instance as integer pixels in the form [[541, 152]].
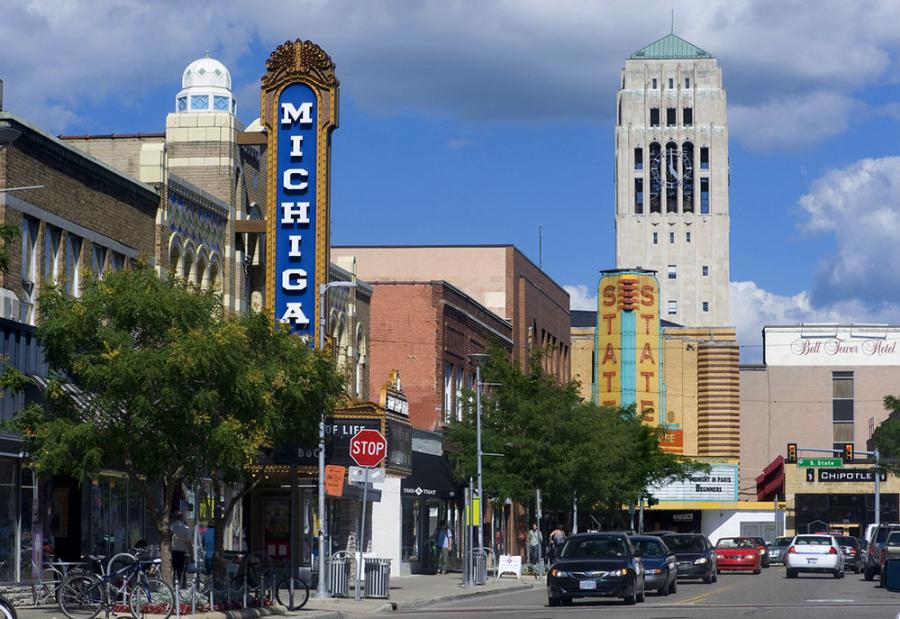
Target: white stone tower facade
[[672, 178]]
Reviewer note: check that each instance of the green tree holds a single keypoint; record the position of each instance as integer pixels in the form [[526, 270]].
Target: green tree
[[552, 440], [8, 233], [174, 389], [887, 436]]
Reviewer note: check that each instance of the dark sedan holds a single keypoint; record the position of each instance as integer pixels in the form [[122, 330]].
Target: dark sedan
[[596, 565], [660, 569], [853, 558], [695, 556]]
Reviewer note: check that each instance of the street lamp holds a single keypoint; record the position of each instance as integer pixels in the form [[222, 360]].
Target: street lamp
[[479, 359], [8, 135], [321, 590]]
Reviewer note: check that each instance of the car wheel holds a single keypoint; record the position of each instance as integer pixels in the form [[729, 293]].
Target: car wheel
[[552, 601], [868, 574], [663, 591], [791, 573], [708, 577], [837, 573], [757, 571], [856, 570], [642, 597], [630, 600]]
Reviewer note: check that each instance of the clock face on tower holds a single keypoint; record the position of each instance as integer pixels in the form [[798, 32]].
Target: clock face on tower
[[678, 170]]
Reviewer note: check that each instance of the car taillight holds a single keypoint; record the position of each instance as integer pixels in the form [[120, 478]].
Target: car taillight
[[791, 550], [852, 551], [832, 551]]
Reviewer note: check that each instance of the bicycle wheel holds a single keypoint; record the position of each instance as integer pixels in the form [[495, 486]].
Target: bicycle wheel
[[81, 596], [301, 593], [151, 598], [7, 611]]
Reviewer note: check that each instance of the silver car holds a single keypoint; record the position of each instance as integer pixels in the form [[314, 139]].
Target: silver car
[[778, 548]]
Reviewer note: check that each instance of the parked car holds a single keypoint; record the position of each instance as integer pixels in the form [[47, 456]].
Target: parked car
[[658, 533], [763, 550], [814, 553], [877, 538], [660, 567], [695, 556], [596, 565], [738, 553], [889, 550], [853, 555], [777, 549]]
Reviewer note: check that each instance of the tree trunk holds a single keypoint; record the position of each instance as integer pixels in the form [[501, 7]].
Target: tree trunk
[[221, 517], [164, 529]]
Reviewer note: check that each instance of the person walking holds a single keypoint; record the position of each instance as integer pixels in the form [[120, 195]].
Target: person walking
[[535, 541], [443, 540], [557, 538], [182, 543]]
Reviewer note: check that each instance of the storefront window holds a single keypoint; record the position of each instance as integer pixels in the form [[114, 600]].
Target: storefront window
[[9, 504]]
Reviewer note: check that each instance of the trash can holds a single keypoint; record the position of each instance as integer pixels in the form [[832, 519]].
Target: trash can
[[378, 578], [480, 575], [339, 577], [891, 576]]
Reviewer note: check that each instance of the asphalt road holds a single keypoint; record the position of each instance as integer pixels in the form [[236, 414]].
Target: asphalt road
[[735, 595]]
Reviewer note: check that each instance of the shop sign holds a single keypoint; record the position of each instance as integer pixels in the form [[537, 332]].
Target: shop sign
[[720, 484], [393, 399], [334, 480], [419, 491], [299, 111], [338, 433], [819, 345], [850, 475], [683, 517]]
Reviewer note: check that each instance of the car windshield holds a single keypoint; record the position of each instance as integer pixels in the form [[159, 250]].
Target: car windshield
[[782, 541], [894, 539], [813, 540], [846, 540], [882, 534], [600, 546], [648, 548], [684, 543], [736, 542]]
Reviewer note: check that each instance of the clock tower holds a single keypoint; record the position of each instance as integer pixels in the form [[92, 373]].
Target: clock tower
[[672, 179]]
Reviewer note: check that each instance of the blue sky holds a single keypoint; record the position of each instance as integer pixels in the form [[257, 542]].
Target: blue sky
[[476, 122]]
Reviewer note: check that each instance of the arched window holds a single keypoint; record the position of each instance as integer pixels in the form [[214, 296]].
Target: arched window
[[655, 178], [687, 178], [187, 265], [174, 256], [200, 274], [672, 172], [213, 277]]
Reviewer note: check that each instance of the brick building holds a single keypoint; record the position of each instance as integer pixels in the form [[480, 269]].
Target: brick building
[[81, 216], [499, 277]]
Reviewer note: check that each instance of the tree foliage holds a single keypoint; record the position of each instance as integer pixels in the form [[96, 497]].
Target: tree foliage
[[552, 440], [8, 233], [173, 389], [887, 436]]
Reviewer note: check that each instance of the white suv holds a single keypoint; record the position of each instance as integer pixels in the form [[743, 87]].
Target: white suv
[[814, 553]]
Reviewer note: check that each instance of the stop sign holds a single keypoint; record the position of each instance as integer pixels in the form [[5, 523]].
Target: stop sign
[[368, 447]]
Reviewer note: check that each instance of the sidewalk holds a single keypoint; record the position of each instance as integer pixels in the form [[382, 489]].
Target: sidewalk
[[407, 592]]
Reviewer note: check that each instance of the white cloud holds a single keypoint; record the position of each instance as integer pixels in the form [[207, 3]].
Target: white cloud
[[791, 122], [753, 307], [858, 205], [581, 297], [521, 59]]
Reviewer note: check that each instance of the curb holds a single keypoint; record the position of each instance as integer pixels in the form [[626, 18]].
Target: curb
[[413, 604]]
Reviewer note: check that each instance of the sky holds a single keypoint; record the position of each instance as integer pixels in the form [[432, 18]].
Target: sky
[[477, 121]]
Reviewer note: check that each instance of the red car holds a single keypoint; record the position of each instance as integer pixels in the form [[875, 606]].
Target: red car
[[738, 553]]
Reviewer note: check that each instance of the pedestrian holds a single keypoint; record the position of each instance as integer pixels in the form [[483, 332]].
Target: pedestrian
[[535, 541], [557, 538], [182, 542], [443, 540]]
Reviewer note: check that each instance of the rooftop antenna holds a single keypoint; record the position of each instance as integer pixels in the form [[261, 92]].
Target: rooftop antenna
[[541, 247]]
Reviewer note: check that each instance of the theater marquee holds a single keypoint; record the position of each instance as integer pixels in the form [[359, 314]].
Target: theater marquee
[[299, 110]]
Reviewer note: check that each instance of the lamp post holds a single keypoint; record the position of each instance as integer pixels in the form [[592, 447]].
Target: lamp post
[[322, 590], [478, 359]]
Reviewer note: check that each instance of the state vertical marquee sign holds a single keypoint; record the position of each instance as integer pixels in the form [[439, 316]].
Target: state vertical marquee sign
[[299, 109], [629, 343]]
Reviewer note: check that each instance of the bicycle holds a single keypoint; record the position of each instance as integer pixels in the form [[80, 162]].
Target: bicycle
[[83, 595], [46, 590], [7, 610], [283, 589]]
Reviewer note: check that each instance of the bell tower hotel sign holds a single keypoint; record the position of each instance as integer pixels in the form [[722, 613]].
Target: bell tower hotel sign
[[299, 109], [831, 345]]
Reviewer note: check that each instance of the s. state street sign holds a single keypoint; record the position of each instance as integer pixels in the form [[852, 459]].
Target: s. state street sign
[[368, 448]]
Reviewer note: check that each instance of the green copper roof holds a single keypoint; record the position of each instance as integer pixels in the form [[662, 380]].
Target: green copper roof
[[671, 46]]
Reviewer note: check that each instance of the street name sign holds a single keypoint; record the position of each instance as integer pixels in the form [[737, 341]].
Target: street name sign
[[817, 462], [368, 448], [358, 474], [866, 475]]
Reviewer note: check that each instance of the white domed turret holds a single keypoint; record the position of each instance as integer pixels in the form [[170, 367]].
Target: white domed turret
[[206, 87]]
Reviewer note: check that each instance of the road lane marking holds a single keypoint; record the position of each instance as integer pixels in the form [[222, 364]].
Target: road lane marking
[[832, 601], [704, 596]]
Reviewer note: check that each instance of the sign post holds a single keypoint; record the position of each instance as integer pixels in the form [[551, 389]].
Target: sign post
[[368, 449]]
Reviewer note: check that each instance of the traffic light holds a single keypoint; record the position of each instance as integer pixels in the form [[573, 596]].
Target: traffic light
[[791, 453], [848, 452]]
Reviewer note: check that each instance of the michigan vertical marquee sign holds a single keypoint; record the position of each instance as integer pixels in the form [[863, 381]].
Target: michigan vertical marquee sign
[[299, 109]]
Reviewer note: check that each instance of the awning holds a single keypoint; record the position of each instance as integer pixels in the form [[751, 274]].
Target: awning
[[770, 484], [432, 477]]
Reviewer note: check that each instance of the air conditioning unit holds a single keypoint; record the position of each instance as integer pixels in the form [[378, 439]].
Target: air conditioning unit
[[9, 305]]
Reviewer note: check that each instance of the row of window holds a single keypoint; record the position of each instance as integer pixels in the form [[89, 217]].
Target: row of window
[[217, 103], [655, 238], [704, 155], [672, 271], [654, 83], [101, 259], [455, 381], [687, 117], [842, 408], [672, 307]]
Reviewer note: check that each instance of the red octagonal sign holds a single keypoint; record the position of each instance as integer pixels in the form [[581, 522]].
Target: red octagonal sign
[[368, 447]]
